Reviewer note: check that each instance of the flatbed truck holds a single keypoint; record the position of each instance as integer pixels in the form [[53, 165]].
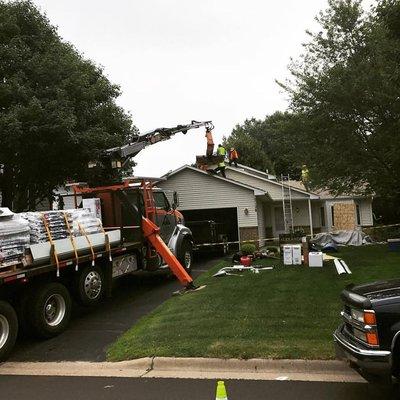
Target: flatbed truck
[[38, 298]]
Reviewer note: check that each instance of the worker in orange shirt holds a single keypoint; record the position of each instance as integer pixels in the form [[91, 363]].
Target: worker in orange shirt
[[233, 156], [210, 143]]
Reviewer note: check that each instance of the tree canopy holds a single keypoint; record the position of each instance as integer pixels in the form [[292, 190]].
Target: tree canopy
[[346, 90], [270, 143], [58, 109]]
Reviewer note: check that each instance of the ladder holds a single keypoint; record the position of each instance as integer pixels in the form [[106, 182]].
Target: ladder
[[287, 204]]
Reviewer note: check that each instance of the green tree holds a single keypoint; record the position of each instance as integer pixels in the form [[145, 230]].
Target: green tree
[[269, 144], [250, 149], [57, 109], [346, 88]]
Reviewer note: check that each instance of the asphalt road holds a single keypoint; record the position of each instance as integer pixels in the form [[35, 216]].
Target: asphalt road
[[67, 388], [92, 330]]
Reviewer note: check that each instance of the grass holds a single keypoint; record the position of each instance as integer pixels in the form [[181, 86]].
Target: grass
[[289, 312]]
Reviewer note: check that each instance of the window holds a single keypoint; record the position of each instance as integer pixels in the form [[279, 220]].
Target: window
[[333, 215], [322, 215], [358, 214], [161, 201]]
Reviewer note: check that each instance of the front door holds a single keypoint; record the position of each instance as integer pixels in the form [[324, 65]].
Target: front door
[[279, 221]]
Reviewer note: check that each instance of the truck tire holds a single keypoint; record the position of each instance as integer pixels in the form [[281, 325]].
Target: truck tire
[[8, 329], [185, 254], [89, 286], [50, 310]]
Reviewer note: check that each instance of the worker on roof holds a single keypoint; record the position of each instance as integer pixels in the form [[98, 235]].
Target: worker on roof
[[221, 165], [233, 157], [210, 143], [305, 176]]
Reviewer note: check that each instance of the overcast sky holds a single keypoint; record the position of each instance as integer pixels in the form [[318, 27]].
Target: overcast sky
[[178, 60]]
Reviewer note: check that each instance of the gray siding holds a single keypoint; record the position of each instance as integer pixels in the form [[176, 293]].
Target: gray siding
[[200, 191], [274, 189]]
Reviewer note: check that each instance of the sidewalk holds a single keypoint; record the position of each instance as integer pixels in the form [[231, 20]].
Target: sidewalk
[[193, 368]]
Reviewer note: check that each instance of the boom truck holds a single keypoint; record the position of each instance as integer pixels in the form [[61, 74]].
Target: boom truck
[[141, 230]]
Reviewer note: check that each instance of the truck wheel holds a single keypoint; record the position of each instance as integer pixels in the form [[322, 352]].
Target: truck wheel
[[90, 286], [8, 329], [185, 256], [50, 310]]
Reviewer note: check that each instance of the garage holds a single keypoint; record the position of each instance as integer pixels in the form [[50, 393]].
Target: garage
[[212, 225]]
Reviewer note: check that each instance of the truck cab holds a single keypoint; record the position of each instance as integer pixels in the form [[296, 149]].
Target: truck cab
[[369, 336], [124, 209]]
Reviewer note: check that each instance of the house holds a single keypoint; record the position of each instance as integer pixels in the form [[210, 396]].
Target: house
[[250, 203]]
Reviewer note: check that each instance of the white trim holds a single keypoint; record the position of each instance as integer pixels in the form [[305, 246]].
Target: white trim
[[257, 191], [310, 217]]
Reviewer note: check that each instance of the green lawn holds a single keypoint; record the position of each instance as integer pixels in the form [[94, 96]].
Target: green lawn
[[289, 312]]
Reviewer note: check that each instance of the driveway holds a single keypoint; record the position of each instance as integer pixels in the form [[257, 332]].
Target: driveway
[[91, 331]]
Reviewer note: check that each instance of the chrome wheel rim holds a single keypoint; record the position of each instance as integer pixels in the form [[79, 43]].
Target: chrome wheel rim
[[92, 285], [188, 259], [54, 309], [4, 330]]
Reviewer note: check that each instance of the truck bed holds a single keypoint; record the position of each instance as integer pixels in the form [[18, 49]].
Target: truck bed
[[28, 272]]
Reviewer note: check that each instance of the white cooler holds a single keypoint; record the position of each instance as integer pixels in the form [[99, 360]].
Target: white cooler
[[315, 259]]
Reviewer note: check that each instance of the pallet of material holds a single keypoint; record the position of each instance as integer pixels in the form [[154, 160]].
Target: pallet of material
[[206, 163]]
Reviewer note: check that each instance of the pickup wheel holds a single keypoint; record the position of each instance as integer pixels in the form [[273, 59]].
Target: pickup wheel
[[50, 310], [8, 329], [185, 254], [89, 286]]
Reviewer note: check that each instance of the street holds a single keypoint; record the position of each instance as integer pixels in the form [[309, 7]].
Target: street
[[66, 388]]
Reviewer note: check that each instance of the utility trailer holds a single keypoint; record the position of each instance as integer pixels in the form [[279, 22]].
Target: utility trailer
[[38, 298]]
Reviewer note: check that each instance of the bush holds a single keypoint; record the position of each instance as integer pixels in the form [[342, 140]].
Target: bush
[[248, 248], [383, 233]]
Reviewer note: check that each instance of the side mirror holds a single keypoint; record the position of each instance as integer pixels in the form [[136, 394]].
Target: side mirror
[[176, 201]]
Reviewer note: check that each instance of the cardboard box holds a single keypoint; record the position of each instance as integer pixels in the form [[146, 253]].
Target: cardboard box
[[296, 254], [287, 255]]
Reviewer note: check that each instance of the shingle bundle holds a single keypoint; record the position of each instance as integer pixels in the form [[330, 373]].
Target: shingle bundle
[[14, 237], [61, 224]]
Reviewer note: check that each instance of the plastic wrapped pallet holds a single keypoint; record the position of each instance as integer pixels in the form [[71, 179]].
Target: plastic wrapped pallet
[[14, 237], [60, 224]]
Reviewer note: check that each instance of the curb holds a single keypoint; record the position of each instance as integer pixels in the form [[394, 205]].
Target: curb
[[193, 368]]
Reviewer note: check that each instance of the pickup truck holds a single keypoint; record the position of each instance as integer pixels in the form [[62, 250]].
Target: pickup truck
[[369, 336]]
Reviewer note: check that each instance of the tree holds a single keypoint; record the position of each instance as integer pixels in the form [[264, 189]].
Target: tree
[[250, 149], [269, 144], [58, 110], [346, 88]]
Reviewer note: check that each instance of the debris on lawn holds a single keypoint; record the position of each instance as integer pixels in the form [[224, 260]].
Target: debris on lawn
[[233, 270], [341, 267]]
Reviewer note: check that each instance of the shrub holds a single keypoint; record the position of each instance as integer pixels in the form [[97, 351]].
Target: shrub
[[248, 248]]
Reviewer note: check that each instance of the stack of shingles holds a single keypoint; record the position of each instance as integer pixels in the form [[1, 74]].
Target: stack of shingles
[[60, 224], [14, 238]]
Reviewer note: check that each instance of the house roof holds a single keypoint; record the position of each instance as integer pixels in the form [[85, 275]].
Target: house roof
[[272, 181], [257, 191]]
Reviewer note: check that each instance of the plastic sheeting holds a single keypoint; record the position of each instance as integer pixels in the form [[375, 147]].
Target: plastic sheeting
[[341, 238], [14, 238]]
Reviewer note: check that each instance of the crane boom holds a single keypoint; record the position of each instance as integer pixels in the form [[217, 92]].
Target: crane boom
[[148, 138]]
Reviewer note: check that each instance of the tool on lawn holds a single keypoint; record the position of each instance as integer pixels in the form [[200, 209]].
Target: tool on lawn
[[221, 391]]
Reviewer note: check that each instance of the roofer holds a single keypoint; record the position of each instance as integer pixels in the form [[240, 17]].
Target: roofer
[[221, 165], [305, 176], [210, 143], [233, 156]]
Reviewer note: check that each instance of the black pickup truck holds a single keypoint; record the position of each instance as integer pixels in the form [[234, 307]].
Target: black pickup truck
[[369, 337]]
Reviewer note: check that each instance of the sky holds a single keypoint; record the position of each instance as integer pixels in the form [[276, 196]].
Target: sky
[[183, 60]]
